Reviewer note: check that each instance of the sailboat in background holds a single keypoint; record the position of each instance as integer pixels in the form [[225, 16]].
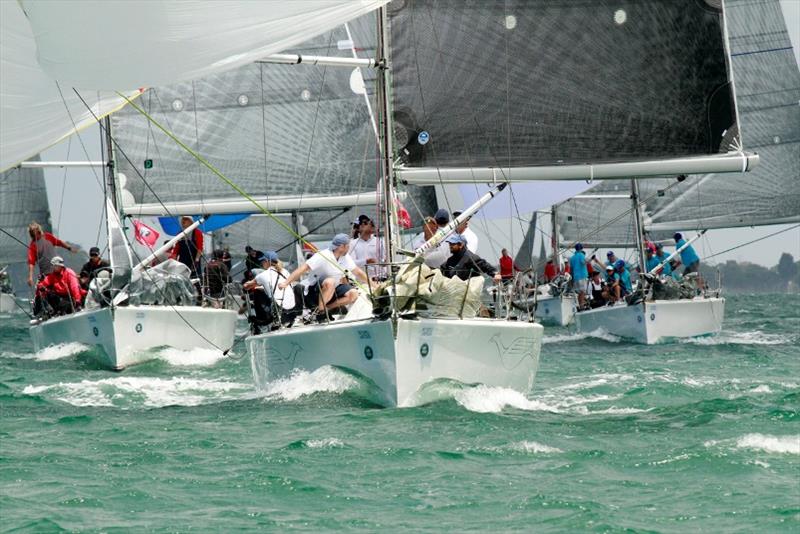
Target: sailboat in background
[[767, 90], [23, 199]]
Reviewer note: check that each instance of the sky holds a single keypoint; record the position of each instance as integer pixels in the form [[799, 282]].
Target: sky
[[76, 195]]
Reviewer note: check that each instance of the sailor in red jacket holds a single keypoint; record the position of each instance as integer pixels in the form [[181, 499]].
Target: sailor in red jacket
[[42, 250], [61, 288], [507, 266]]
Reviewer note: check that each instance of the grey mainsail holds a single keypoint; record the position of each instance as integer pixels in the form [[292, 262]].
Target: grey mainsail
[[516, 83], [23, 199], [274, 130], [768, 90]]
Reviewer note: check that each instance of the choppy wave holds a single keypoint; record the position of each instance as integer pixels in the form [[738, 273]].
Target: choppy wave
[[755, 337], [53, 352], [595, 334], [131, 391], [761, 442], [301, 383], [192, 357], [767, 443], [526, 447], [486, 399], [326, 443]]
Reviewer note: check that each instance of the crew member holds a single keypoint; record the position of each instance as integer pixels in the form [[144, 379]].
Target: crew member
[[580, 274], [251, 260], [597, 291], [41, 250], [216, 276], [95, 262], [463, 263], [268, 296], [189, 249], [469, 235], [60, 289], [689, 259], [507, 265], [365, 248], [330, 268]]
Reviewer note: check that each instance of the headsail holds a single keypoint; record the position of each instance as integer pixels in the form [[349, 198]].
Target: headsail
[[543, 83], [185, 40], [35, 112]]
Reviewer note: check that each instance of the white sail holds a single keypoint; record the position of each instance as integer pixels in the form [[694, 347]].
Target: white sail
[[155, 43], [35, 111]]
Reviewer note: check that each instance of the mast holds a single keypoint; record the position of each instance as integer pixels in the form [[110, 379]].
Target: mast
[[385, 131], [554, 238], [637, 213], [111, 181]]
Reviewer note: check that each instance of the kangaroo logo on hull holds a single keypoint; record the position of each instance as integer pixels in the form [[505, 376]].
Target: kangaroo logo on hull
[[276, 358], [512, 355]]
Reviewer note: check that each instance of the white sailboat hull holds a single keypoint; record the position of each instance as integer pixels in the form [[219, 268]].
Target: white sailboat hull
[[7, 303], [556, 311], [655, 322], [490, 352], [127, 335]]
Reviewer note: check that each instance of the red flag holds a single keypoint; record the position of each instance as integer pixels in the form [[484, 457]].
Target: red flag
[[403, 217], [144, 234]]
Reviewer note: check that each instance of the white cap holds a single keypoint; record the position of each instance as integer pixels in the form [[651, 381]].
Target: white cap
[[57, 260]]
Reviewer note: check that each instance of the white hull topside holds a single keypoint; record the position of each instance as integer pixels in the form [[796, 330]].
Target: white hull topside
[[490, 352], [657, 321], [556, 311], [127, 335]]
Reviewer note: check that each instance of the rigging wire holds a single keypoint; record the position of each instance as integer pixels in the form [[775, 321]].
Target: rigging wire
[[752, 241]]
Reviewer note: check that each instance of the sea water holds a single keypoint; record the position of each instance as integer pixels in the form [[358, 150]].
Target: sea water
[[701, 435]]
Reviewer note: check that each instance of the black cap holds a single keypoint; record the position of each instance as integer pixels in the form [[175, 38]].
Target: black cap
[[248, 248], [94, 251]]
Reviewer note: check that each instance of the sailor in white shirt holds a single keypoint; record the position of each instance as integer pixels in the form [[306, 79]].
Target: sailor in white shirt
[[330, 266], [366, 248], [469, 235], [436, 257]]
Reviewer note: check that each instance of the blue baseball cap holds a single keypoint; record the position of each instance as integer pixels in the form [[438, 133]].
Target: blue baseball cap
[[339, 240], [455, 238], [677, 236], [610, 253], [442, 216], [619, 264], [578, 246], [271, 255]]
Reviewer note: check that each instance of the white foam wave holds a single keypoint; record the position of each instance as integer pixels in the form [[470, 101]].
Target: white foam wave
[[773, 444], [595, 334], [132, 391], [486, 399], [300, 383], [742, 338], [326, 443], [763, 388], [53, 352], [193, 357], [527, 447]]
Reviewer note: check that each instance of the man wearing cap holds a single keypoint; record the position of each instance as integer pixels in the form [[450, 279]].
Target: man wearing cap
[[580, 274], [436, 257], [267, 294], [598, 292], [95, 262], [42, 250], [189, 249], [689, 258], [365, 248], [464, 264], [469, 235], [622, 281], [330, 268], [60, 288]]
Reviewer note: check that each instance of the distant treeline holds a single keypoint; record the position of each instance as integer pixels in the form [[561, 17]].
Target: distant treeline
[[749, 277]]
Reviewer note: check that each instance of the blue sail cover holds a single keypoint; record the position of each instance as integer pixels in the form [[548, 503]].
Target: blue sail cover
[[172, 225]]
